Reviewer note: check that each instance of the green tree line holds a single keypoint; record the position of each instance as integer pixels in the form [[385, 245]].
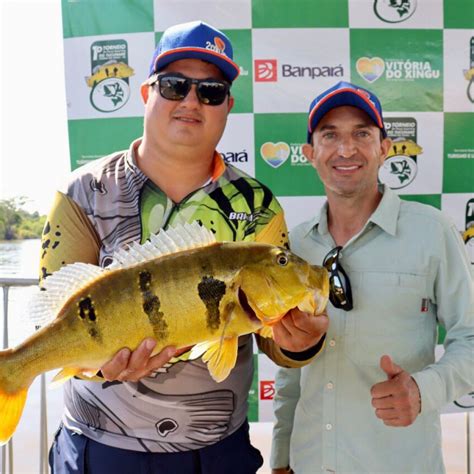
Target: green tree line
[[16, 223]]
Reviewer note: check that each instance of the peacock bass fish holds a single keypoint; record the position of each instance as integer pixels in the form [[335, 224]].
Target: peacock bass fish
[[181, 287]]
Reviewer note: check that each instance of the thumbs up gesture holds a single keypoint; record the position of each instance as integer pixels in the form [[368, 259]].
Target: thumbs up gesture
[[397, 400]]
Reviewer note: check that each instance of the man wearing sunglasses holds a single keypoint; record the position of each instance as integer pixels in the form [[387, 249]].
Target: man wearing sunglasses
[[157, 414], [371, 401]]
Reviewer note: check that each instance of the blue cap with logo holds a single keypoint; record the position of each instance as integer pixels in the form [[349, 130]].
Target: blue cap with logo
[[345, 93], [195, 40]]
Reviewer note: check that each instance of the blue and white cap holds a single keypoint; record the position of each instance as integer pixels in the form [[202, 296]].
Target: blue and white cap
[[345, 93], [195, 40]]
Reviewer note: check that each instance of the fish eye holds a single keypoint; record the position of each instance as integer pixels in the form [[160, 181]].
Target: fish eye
[[282, 259]]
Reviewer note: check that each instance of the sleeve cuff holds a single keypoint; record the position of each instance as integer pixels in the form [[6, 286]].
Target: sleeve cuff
[[430, 385], [280, 454], [307, 354]]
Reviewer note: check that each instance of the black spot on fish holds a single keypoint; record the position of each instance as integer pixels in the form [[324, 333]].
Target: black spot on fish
[[57, 234], [94, 333], [86, 309], [144, 281], [45, 244], [47, 228], [55, 244], [211, 292], [151, 306], [166, 426]]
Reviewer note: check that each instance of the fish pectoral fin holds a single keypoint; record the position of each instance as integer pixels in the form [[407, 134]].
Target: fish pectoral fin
[[70, 372], [200, 349], [221, 357], [266, 331], [11, 408]]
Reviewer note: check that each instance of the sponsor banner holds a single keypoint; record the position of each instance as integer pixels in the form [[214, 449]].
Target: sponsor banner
[[458, 153], [414, 164], [304, 14], [231, 14], [104, 74], [287, 78], [299, 209], [86, 18], [396, 13], [91, 139], [405, 71], [456, 14], [459, 70], [279, 160], [253, 412], [237, 143], [429, 199], [460, 207], [242, 87], [421, 72], [266, 387]]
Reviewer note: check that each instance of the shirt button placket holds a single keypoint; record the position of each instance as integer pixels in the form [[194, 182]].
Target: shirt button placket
[[329, 433]]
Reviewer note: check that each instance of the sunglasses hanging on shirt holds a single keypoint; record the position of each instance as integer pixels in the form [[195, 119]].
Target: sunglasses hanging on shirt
[[175, 86], [340, 292]]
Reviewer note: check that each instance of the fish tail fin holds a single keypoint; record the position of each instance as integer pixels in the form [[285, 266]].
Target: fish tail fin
[[12, 401]]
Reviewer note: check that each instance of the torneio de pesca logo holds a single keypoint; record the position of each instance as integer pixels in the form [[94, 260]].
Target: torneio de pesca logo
[[400, 166], [394, 11], [469, 73], [109, 75], [468, 234]]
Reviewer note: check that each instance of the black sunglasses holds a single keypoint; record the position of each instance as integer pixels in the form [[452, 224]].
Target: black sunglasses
[[340, 292], [174, 86]]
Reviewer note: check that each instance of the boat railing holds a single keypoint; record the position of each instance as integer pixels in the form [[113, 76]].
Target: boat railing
[[7, 450]]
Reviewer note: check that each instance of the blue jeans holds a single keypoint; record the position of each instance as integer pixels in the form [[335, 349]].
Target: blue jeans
[[72, 453]]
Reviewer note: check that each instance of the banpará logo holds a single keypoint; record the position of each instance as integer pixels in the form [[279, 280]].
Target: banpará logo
[[275, 154], [218, 46], [235, 157], [110, 75], [267, 389], [241, 216], [371, 69], [394, 11], [400, 168], [265, 70], [287, 70]]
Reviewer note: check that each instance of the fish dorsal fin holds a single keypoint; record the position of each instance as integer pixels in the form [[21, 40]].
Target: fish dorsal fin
[[59, 287], [175, 239]]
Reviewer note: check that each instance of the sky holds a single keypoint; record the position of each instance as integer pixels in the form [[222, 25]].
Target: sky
[[34, 150]]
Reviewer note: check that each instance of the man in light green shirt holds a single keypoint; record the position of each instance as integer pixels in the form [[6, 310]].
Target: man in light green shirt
[[370, 402]]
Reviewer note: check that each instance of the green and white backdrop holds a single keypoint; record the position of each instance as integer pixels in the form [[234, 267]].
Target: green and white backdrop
[[416, 55]]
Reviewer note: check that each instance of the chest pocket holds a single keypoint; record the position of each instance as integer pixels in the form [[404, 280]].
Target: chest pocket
[[388, 318]]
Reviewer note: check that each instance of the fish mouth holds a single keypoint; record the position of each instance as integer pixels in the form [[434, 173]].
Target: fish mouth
[[244, 303]]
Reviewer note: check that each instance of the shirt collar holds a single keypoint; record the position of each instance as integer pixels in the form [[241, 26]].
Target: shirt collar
[[385, 216], [218, 163]]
